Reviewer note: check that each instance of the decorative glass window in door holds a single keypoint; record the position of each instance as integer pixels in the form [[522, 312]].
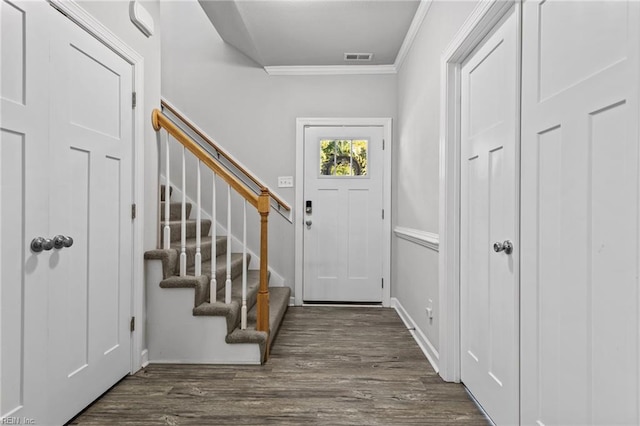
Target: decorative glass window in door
[[343, 157]]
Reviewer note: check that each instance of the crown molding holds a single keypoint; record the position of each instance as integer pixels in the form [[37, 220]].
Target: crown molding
[[331, 70], [416, 23]]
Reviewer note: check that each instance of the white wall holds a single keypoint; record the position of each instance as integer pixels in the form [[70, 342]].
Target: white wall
[[251, 114], [415, 268], [115, 16]]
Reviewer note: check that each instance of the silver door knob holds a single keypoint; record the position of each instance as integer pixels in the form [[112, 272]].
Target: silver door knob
[[60, 241], [308, 223], [38, 244], [506, 246]]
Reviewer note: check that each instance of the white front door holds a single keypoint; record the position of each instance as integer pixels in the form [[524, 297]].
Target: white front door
[[580, 213], [66, 152], [90, 284], [343, 182], [489, 278]]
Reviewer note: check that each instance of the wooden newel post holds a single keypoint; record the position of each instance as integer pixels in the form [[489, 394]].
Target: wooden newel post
[[263, 293]]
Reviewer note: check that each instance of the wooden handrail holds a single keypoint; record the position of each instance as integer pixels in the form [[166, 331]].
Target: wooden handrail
[[260, 202], [227, 157], [159, 121]]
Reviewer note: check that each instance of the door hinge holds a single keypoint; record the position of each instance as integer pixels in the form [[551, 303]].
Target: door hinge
[[382, 282], [134, 99], [132, 325], [383, 144], [382, 213], [133, 211]]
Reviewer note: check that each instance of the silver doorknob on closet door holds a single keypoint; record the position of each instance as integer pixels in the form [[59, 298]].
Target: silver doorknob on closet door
[[38, 244], [506, 246], [308, 223], [60, 241]]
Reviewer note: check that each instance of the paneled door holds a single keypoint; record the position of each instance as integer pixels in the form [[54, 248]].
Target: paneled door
[[343, 214], [24, 207], [66, 172], [90, 200], [489, 233], [580, 213]]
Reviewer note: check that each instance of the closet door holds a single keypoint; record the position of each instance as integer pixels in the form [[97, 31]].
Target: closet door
[[65, 169], [91, 181], [24, 208], [580, 213], [489, 249]]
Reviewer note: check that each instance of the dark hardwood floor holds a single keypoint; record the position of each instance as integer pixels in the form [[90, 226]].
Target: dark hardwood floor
[[328, 366]]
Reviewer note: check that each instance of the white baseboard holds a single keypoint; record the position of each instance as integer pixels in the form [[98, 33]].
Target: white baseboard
[[423, 342], [292, 301], [144, 358]]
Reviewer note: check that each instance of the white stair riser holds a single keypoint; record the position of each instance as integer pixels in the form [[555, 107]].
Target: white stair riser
[[174, 335]]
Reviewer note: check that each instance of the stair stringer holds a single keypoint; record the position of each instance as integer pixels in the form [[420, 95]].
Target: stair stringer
[[276, 280], [175, 335]]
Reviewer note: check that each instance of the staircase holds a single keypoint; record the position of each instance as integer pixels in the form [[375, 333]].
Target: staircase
[[185, 324]]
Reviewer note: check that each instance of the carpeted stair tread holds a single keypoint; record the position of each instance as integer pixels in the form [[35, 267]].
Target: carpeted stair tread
[[187, 281], [176, 225], [175, 210], [199, 284], [169, 260], [278, 305], [221, 268], [205, 248], [232, 310]]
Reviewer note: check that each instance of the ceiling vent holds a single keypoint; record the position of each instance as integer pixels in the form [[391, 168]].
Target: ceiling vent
[[358, 56]]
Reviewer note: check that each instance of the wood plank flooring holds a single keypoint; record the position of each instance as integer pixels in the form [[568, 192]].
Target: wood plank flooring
[[328, 366]]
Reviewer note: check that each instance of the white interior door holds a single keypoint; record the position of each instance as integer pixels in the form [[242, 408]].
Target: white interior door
[[65, 168], [90, 282], [24, 207], [580, 213], [343, 178], [489, 279]]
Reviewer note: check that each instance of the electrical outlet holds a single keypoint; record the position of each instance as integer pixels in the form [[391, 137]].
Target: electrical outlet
[[285, 181]]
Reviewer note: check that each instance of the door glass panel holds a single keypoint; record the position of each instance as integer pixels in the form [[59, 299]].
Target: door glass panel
[[343, 157]]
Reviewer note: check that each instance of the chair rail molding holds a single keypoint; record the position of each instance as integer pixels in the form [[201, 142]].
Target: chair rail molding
[[416, 236]]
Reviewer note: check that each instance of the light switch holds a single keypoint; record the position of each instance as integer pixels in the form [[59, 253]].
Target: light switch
[[285, 181]]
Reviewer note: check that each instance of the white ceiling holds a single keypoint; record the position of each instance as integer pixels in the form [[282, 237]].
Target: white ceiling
[[313, 32]]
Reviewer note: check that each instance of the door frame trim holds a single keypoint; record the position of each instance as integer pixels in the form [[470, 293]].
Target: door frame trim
[[91, 25], [298, 219], [481, 22]]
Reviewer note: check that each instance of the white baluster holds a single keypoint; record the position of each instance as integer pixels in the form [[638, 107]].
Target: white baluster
[[167, 190], [183, 224], [227, 295], [213, 284], [243, 312], [198, 259]]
